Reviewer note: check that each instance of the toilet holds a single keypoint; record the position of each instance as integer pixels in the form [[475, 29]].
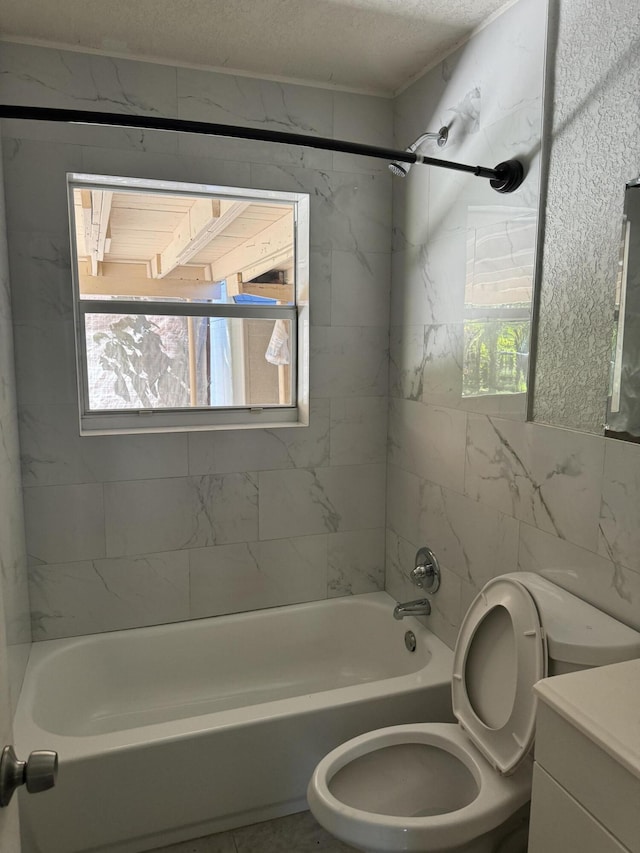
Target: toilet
[[465, 787]]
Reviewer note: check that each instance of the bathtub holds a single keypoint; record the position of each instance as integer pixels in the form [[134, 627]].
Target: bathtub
[[177, 731]]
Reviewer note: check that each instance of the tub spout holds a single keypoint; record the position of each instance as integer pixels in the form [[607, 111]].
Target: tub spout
[[419, 607]]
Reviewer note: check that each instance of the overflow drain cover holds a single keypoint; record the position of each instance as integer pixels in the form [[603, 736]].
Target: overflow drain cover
[[410, 641]]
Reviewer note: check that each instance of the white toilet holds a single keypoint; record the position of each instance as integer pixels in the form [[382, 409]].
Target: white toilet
[[464, 787]]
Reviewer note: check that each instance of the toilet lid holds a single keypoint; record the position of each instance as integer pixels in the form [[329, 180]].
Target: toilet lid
[[499, 656]]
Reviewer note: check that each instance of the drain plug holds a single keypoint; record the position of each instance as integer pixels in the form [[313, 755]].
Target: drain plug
[[410, 641]]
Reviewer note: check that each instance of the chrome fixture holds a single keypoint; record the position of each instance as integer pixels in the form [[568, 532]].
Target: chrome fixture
[[402, 169], [38, 772], [419, 607], [410, 641], [426, 574]]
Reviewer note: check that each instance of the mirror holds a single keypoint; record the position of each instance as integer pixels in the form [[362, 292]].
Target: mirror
[[623, 404]]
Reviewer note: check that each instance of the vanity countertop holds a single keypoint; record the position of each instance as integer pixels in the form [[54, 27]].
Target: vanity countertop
[[602, 703]]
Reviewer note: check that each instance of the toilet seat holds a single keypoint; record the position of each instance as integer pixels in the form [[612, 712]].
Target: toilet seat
[[499, 656], [497, 798]]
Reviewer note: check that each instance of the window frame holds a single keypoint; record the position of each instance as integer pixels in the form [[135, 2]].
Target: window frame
[[129, 421]]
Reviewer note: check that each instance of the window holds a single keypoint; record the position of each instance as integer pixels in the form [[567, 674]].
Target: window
[[191, 305], [498, 293]]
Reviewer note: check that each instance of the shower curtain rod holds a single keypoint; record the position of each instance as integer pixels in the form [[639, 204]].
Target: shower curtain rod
[[505, 178]]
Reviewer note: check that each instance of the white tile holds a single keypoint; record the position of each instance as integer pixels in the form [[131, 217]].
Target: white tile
[[100, 136], [179, 513], [426, 364], [404, 502], [349, 361], [428, 282], [429, 441], [607, 585], [406, 362], [221, 451], [250, 151], [360, 289], [358, 118], [64, 523], [355, 562], [252, 102], [472, 540], [320, 287], [41, 276], [349, 212], [37, 170], [444, 619], [83, 81], [358, 430], [443, 364], [254, 575], [520, 32], [89, 597], [324, 500], [39, 343], [550, 478], [53, 451], [619, 534]]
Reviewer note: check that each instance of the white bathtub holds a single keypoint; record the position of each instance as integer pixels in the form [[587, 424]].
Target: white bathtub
[[176, 731]]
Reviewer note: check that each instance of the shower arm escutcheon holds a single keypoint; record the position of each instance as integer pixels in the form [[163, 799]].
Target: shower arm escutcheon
[[504, 178]]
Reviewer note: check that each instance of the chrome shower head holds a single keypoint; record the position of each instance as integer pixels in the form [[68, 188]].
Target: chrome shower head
[[401, 170]]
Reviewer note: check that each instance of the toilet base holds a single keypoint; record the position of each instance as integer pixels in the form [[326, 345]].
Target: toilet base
[[509, 837]]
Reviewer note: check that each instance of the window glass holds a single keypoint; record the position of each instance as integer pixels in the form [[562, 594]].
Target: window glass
[[187, 301]]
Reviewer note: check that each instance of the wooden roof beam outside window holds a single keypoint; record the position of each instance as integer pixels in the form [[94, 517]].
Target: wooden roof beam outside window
[[270, 249], [96, 210], [204, 220]]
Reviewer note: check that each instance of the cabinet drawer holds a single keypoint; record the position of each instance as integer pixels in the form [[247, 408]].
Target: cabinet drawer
[[560, 824]]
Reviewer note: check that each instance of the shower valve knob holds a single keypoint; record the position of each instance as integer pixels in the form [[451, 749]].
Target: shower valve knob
[[38, 772], [426, 574]]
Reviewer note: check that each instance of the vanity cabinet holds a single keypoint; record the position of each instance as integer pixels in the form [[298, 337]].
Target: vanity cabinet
[[586, 785]]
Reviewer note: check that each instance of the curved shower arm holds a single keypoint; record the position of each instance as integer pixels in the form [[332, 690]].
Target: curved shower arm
[[440, 137], [505, 178]]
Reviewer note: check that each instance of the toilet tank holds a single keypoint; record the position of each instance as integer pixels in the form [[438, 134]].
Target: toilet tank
[[578, 635]]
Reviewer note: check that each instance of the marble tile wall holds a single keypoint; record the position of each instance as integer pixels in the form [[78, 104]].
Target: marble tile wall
[[288, 515], [134, 530], [488, 492], [14, 596]]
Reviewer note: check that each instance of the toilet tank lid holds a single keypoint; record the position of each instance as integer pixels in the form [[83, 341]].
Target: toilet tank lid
[[578, 632]]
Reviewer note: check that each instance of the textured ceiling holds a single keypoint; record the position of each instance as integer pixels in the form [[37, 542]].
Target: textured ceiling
[[371, 45]]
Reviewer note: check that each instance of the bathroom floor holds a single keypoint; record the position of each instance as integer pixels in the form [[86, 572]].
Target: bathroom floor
[[296, 833]]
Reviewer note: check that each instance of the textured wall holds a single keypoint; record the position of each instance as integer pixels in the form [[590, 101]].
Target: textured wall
[[132, 530], [595, 150], [487, 493]]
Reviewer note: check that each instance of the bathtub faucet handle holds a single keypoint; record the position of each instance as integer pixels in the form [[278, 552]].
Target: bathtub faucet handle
[[426, 574]]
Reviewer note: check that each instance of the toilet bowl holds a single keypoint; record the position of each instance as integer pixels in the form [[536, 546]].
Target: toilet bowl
[[464, 787], [414, 788]]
